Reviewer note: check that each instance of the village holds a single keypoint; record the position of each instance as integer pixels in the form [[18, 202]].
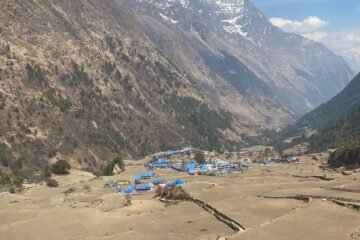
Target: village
[[196, 162], [192, 194]]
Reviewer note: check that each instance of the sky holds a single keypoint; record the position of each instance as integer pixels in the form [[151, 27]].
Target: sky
[[336, 23]]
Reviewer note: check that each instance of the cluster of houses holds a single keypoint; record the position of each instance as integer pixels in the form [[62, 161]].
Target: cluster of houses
[[131, 189], [217, 167], [245, 152], [236, 161], [160, 163], [211, 168], [167, 154], [292, 159]]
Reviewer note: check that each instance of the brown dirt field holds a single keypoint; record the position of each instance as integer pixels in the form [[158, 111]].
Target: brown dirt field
[[317, 220], [261, 199]]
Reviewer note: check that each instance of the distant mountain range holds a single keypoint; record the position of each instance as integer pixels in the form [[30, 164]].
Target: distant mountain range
[[352, 56], [230, 44]]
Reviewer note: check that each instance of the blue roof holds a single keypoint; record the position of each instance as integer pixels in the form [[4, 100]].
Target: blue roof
[[179, 182], [203, 167], [144, 175], [143, 187], [138, 177], [247, 165], [161, 161], [130, 189], [148, 174]]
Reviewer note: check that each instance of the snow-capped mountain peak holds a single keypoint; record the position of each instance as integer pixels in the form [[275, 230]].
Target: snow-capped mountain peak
[[230, 7], [234, 17], [219, 35]]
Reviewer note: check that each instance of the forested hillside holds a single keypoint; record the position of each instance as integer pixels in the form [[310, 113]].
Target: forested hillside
[[331, 125]]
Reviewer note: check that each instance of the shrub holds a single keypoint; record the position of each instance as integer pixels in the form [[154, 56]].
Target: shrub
[[18, 181], [347, 156], [5, 180], [118, 160], [109, 169], [12, 190], [35, 74], [46, 173], [59, 101], [61, 167], [51, 183], [199, 157], [175, 193], [5, 156]]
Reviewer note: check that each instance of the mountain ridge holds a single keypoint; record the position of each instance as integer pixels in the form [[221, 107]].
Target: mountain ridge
[[296, 70], [332, 124], [89, 85]]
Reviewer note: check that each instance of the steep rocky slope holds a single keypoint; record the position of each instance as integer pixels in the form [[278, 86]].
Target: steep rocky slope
[[334, 123], [236, 53], [78, 80]]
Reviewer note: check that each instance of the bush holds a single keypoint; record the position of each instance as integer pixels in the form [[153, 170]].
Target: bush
[[347, 156], [119, 162], [175, 193], [5, 180], [61, 167], [46, 173], [51, 183], [18, 181], [199, 157], [109, 169], [12, 190]]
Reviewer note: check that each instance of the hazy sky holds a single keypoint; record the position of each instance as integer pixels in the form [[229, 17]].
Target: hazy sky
[[340, 14], [336, 23]]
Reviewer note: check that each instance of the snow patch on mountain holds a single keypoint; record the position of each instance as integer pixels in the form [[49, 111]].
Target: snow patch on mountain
[[231, 26], [168, 19], [228, 13], [230, 7], [163, 4]]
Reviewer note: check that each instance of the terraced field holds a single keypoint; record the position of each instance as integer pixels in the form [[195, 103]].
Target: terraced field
[[279, 201]]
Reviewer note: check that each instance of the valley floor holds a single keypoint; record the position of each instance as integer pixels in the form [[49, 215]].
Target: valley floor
[[279, 201]]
